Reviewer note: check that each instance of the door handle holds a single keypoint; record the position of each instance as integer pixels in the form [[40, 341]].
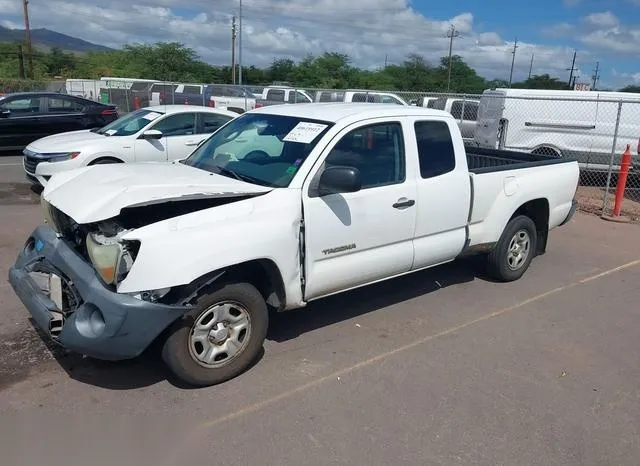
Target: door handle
[[403, 202], [192, 143]]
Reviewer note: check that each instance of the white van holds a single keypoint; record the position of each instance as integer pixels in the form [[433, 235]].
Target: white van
[[579, 124]]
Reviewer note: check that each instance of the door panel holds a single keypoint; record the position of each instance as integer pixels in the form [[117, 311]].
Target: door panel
[[64, 114], [357, 238], [22, 124], [444, 195], [178, 130]]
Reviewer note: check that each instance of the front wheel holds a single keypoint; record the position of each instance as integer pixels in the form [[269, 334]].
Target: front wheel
[[220, 337], [514, 252]]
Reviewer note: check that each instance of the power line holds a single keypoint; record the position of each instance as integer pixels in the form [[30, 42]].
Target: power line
[[451, 33]]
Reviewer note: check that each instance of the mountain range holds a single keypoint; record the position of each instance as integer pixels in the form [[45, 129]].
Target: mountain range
[[45, 39]]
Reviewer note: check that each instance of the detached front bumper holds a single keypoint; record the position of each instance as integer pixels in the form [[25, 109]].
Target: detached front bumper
[[75, 309]]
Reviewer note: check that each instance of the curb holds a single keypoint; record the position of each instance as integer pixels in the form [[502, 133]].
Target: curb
[[620, 219]]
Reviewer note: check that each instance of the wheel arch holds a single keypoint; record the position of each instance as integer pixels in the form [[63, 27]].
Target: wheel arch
[[540, 150], [263, 273], [538, 211], [104, 158]]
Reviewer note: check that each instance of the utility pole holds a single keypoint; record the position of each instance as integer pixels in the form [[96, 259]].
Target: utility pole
[[513, 60], [385, 61], [451, 33], [21, 62], [531, 65], [27, 31], [596, 75], [240, 48], [573, 68], [233, 50]]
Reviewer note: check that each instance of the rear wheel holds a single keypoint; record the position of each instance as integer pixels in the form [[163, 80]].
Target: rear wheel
[[514, 252], [220, 337]]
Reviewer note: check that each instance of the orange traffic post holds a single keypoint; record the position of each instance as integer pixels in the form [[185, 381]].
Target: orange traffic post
[[622, 181], [136, 102]]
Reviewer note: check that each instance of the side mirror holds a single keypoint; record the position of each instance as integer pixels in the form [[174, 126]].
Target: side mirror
[[339, 179], [152, 134], [5, 113]]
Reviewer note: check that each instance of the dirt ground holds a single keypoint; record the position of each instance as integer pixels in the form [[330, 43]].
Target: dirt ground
[[590, 201]]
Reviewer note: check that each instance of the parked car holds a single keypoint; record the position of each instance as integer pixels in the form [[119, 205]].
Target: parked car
[[199, 250], [279, 95], [359, 96], [151, 134], [27, 116], [234, 98], [575, 124]]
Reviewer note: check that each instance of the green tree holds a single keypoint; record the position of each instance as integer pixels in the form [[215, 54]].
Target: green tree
[[60, 64], [543, 81], [631, 88]]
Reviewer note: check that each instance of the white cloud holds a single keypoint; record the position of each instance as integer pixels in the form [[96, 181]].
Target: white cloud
[[602, 20], [367, 30]]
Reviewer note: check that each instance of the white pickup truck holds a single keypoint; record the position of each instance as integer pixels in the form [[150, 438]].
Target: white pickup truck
[[196, 252]]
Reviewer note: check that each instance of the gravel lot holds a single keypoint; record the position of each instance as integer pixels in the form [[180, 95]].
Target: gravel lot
[[441, 367]]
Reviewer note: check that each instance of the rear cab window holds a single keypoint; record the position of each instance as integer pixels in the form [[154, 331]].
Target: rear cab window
[[436, 153]]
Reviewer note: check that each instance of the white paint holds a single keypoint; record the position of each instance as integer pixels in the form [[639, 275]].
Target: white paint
[[106, 189], [93, 146], [574, 123], [382, 241], [151, 116], [304, 132]]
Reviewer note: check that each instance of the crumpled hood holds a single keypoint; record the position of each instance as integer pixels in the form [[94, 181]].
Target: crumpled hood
[[65, 142], [95, 193]]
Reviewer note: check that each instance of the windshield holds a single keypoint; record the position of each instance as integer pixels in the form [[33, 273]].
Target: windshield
[[258, 148], [130, 123]]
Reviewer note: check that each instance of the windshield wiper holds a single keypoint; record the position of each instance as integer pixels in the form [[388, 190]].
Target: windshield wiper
[[238, 176]]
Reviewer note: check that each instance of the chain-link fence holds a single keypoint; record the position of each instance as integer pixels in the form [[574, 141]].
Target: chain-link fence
[[594, 128]]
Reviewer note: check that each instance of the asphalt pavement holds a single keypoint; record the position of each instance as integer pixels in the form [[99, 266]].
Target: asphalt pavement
[[440, 367], [11, 169]]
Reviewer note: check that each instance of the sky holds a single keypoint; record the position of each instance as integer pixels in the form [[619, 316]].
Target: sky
[[369, 31]]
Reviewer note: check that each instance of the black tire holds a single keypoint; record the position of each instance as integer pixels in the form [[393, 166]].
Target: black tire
[[178, 350], [499, 265]]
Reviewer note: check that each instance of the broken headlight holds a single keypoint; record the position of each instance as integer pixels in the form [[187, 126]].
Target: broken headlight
[[47, 214], [111, 258]]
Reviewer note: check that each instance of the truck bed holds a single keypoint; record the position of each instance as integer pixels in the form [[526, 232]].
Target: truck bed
[[481, 160]]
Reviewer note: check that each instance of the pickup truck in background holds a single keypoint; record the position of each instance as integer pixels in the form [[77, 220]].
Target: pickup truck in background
[[233, 98], [282, 95], [282, 206], [465, 112], [359, 96]]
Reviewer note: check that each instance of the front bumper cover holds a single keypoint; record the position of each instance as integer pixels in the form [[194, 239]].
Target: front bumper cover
[[104, 324]]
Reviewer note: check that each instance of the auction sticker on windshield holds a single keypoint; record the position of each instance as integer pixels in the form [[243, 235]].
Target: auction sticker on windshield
[[151, 116], [304, 132]]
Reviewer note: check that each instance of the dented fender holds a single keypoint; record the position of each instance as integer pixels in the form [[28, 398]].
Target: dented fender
[[179, 250]]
